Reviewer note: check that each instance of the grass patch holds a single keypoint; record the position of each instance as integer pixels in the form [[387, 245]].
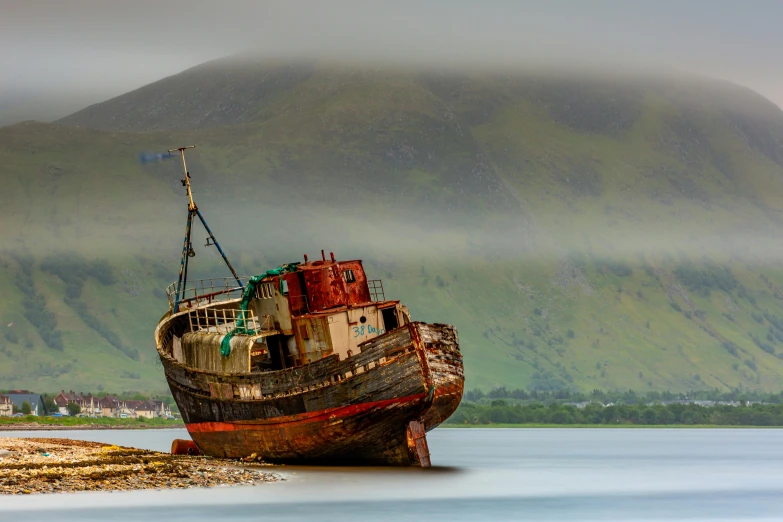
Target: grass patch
[[607, 426], [87, 421]]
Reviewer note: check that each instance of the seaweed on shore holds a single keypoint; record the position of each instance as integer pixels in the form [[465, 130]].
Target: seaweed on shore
[[63, 465]]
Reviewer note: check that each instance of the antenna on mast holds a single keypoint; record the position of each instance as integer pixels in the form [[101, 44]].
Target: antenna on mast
[[186, 180], [187, 247]]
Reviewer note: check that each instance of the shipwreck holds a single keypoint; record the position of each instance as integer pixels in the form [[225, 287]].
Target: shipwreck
[[305, 363]]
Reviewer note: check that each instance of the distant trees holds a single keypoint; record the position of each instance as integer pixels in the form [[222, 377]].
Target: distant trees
[[705, 279], [26, 409], [517, 406], [498, 411], [74, 271], [616, 396], [731, 348], [35, 311], [93, 322], [615, 266], [546, 381], [34, 304], [49, 406], [73, 409], [764, 346]]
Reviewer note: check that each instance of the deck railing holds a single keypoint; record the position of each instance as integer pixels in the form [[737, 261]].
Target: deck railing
[[224, 320], [376, 290], [205, 291]]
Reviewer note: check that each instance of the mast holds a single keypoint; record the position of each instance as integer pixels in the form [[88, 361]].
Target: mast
[[187, 246]]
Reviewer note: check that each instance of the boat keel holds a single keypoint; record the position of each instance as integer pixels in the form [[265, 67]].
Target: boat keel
[[417, 444]]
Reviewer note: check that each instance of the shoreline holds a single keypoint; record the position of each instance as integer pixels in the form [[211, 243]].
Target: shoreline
[[34, 426], [41, 465], [612, 426], [105, 427]]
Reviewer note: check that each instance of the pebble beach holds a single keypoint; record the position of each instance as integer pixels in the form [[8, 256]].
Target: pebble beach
[[43, 465]]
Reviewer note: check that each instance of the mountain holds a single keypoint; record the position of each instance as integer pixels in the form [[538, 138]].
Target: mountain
[[588, 232], [44, 103]]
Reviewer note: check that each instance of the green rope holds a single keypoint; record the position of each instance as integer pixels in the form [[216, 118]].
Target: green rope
[[247, 296]]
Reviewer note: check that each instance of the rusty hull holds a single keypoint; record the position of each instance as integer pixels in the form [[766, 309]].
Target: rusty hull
[[360, 410]]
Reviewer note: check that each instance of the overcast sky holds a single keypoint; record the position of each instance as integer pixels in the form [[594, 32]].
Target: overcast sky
[[107, 47]]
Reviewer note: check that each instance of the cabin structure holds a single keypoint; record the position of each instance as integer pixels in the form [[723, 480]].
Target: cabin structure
[[294, 316]]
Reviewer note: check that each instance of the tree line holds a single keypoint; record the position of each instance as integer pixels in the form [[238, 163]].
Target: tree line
[[617, 396], [499, 411]]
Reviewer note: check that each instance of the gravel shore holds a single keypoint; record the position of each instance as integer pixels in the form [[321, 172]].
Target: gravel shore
[[33, 465]]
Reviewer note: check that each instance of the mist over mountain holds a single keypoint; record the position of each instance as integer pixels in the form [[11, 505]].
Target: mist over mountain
[[579, 230], [44, 105]]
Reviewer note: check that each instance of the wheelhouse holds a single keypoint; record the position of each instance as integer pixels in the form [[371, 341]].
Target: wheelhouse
[[307, 312]]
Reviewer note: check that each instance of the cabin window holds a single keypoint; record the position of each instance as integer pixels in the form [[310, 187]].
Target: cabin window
[[265, 291], [349, 276], [303, 332], [284, 285]]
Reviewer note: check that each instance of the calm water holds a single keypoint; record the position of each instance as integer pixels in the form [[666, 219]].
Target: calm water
[[481, 474]]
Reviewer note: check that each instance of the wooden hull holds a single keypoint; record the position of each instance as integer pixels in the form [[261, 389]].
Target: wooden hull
[[355, 411]]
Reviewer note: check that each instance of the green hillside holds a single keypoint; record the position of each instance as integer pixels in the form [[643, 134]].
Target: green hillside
[[616, 233]]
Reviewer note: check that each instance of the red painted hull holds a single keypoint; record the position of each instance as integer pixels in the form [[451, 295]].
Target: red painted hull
[[366, 433]]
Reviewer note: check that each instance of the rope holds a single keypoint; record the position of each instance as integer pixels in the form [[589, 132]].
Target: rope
[[247, 296]]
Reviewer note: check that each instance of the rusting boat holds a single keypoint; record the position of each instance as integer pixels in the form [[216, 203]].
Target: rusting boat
[[306, 363]]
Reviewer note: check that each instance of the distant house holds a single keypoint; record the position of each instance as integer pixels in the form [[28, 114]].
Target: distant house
[[111, 406], [33, 399], [161, 409], [63, 399], [6, 406], [146, 410], [128, 409], [580, 405], [88, 404]]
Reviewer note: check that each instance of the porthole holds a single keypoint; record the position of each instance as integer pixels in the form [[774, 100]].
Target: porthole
[[362, 319]]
